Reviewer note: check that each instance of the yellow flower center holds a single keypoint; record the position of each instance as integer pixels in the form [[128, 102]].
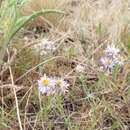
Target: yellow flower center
[[45, 82], [58, 83], [107, 62]]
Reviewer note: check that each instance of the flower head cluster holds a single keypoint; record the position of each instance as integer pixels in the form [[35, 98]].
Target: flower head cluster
[[111, 58], [50, 86], [45, 47]]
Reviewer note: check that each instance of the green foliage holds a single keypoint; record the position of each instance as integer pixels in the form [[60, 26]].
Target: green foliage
[[115, 72], [128, 45], [12, 21]]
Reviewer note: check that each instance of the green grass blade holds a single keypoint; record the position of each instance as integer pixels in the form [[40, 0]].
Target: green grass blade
[[20, 23]]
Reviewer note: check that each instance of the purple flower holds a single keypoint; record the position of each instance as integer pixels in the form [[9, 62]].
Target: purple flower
[[50, 86], [111, 58], [111, 50]]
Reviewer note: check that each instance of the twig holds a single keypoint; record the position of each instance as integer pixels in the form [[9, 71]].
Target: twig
[[25, 118], [16, 100]]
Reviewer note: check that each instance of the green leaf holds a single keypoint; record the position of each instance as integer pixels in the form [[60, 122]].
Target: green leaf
[[21, 22], [12, 2], [115, 72], [115, 125], [21, 2], [128, 42]]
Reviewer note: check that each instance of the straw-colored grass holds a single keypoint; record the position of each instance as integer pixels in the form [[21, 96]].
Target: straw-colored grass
[[95, 100]]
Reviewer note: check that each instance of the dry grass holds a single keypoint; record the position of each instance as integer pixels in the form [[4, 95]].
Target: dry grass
[[33, 6], [94, 101]]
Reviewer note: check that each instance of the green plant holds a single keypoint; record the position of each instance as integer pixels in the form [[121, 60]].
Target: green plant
[[12, 21]]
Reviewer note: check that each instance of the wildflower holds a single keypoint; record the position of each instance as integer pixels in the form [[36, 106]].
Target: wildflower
[[105, 61], [50, 86], [44, 85], [61, 86], [111, 58], [111, 50], [45, 47], [79, 68]]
